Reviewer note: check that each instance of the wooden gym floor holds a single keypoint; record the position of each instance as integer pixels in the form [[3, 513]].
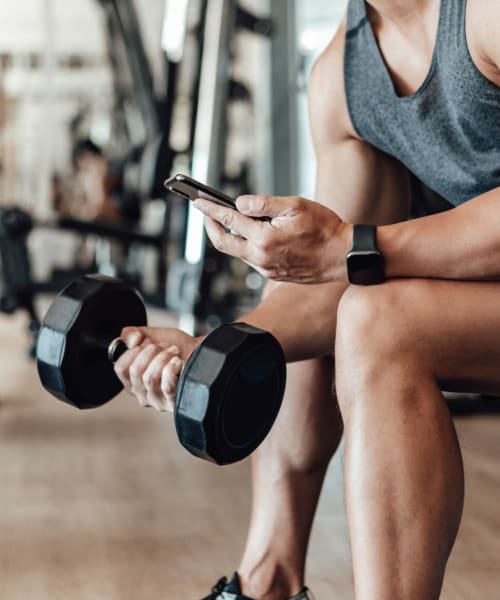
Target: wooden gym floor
[[105, 505]]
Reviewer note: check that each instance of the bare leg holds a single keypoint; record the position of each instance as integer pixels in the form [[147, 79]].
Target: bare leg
[[287, 473], [396, 344]]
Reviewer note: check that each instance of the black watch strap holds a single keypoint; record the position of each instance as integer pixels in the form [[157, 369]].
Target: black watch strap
[[364, 238], [365, 263]]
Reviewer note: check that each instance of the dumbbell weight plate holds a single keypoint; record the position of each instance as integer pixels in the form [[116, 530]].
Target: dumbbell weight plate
[[229, 393], [72, 345]]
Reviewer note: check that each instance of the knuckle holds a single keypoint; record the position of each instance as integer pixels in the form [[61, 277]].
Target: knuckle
[[170, 354], [208, 210], [297, 202], [168, 389], [169, 400], [264, 201], [177, 363], [149, 381], [135, 372], [150, 349], [121, 371], [227, 220]]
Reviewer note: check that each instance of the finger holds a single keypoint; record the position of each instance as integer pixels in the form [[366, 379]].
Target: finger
[[230, 218], [152, 379], [226, 242], [137, 370], [266, 206], [254, 254], [174, 350], [123, 364], [154, 334], [132, 336], [169, 380]]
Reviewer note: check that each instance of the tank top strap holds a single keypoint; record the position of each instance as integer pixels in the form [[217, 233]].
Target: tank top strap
[[356, 14], [451, 29], [446, 133]]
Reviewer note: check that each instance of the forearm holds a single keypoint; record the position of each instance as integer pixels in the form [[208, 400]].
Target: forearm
[[463, 243], [301, 317]]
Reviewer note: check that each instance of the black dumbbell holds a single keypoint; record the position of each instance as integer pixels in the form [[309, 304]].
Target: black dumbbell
[[229, 391]]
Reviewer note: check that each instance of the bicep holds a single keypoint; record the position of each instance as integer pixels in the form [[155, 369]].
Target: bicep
[[361, 184], [357, 181]]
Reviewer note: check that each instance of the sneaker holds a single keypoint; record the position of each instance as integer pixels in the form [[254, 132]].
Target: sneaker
[[231, 590]]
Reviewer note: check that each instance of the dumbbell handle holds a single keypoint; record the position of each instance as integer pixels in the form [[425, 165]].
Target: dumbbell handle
[[116, 348]]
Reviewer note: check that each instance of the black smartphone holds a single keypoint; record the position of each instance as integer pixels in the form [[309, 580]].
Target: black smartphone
[[188, 188]]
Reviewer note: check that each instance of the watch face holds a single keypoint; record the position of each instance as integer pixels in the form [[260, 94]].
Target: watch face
[[365, 268]]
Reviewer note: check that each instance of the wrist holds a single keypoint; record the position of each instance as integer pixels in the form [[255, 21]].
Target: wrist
[[393, 241], [365, 262], [341, 245]]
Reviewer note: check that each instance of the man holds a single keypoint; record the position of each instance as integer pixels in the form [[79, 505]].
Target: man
[[405, 86]]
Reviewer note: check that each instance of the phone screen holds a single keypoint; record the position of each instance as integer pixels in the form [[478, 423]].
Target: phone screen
[[188, 188]]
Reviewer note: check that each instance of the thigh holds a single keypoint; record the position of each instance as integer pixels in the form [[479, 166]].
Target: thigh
[[454, 328]]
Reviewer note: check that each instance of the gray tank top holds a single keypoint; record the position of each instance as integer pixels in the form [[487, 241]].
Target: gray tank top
[[448, 132]]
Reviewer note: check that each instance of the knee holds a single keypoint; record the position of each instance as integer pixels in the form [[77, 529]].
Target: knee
[[375, 331], [371, 320]]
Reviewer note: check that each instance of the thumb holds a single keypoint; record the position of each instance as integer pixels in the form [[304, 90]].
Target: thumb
[[133, 336], [263, 206]]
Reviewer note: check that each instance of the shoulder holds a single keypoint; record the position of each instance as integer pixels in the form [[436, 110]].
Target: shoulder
[[329, 116], [483, 34]]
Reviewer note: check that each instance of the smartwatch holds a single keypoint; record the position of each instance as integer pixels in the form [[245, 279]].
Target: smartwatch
[[365, 262]]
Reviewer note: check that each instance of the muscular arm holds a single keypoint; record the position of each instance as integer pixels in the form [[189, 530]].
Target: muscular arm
[[463, 243], [354, 180]]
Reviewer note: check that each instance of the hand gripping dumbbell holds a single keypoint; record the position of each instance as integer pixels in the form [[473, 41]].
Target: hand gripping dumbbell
[[229, 390]]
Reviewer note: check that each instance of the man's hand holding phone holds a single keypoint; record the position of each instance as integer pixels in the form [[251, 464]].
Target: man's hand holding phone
[[283, 238], [301, 242]]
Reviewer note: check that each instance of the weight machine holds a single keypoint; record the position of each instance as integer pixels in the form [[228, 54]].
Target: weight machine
[[189, 288]]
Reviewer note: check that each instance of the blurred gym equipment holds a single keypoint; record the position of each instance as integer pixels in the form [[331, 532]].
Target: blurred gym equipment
[[205, 287]]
